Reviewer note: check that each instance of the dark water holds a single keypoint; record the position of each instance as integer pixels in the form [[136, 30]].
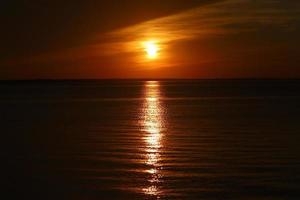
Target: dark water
[[206, 139]]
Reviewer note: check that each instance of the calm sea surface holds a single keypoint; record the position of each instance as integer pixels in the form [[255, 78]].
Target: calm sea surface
[[180, 139]]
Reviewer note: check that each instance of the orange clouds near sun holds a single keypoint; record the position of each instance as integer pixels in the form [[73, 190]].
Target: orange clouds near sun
[[220, 39]]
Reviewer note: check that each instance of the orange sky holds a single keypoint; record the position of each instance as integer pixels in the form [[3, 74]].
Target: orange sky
[[199, 39]]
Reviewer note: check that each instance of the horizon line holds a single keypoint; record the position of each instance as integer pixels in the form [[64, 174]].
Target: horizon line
[[140, 79]]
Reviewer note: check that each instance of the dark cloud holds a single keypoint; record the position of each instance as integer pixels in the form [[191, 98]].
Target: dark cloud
[[102, 39], [32, 26]]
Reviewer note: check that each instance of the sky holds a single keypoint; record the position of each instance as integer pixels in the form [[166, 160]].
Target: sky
[[53, 39]]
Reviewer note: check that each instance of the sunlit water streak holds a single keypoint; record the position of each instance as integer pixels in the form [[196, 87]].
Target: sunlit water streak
[[152, 126]]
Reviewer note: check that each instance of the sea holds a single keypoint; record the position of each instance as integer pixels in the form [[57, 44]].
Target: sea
[[150, 139]]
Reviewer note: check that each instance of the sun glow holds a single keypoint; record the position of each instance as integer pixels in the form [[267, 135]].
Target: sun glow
[[151, 49]]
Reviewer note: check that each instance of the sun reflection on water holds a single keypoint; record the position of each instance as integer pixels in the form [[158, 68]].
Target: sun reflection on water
[[153, 124]]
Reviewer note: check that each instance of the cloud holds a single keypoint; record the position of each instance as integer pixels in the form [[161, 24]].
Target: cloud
[[219, 19]]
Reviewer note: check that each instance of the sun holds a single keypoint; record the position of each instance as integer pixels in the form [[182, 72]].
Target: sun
[[151, 48]]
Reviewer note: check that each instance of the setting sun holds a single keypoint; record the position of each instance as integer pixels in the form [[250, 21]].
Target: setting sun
[[151, 49]]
